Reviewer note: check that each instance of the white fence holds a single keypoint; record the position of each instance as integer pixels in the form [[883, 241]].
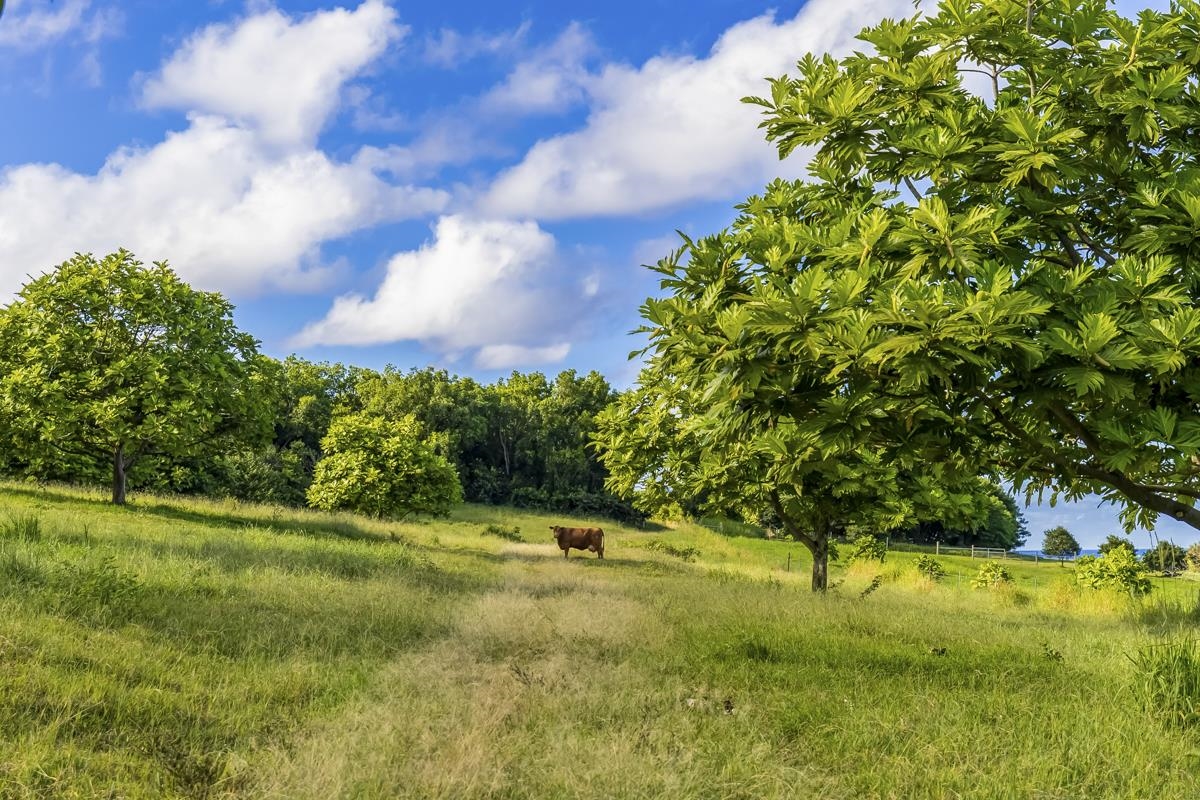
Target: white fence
[[973, 552]]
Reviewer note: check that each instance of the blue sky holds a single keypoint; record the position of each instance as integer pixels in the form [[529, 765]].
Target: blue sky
[[466, 184]]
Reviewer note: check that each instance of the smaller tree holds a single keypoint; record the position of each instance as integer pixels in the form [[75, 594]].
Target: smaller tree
[[990, 575], [1059, 543], [1166, 557], [930, 568], [1113, 542], [384, 468]]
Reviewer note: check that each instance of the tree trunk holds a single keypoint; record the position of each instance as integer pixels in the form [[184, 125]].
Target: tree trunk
[[820, 556], [118, 482], [817, 543], [504, 451]]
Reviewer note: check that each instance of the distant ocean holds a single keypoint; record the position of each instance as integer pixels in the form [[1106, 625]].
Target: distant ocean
[[1140, 551]]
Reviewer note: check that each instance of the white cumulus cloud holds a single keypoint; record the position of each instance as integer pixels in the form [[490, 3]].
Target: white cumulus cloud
[[225, 211], [506, 356], [281, 76], [551, 80], [240, 200], [30, 25], [478, 283], [673, 130]]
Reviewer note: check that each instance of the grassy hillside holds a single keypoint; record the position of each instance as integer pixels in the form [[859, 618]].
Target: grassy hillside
[[190, 649]]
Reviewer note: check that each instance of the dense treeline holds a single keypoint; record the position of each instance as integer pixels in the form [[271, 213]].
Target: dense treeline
[[521, 441]]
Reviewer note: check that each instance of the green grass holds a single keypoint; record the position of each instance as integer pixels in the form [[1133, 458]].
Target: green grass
[[212, 649]]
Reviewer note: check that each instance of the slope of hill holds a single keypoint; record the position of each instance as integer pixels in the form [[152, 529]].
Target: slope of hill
[[206, 649]]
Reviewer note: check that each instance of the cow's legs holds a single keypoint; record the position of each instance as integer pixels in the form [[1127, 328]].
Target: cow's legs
[[566, 552]]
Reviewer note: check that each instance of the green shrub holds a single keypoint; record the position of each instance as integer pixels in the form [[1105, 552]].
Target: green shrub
[[929, 567], [1118, 570], [384, 468], [992, 573], [1191, 558], [1167, 681], [512, 534], [866, 548], [1166, 557], [685, 553]]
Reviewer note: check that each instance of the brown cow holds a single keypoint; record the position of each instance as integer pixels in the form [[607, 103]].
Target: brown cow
[[580, 539]]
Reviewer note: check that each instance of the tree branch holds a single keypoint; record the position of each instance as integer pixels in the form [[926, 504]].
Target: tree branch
[[1069, 246], [1092, 245], [1142, 494], [789, 525], [912, 188]]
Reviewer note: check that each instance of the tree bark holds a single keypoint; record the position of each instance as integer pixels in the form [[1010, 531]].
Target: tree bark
[[118, 482], [820, 556], [817, 543]]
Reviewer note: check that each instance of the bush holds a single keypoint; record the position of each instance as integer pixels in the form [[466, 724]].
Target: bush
[[1118, 570], [512, 534], [1166, 557], [991, 574], [866, 548], [929, 567], [529, 497], [1168, 681], [1191, 559], [683, 552], [382, 467]]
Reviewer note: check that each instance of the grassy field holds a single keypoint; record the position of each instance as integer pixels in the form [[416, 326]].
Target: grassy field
[[192, 649]]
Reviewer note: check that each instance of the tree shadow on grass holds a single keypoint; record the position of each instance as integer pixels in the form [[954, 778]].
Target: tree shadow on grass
[[583, 562], [317, 528]]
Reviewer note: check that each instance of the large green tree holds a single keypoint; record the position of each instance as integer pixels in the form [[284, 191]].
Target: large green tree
[[1020, 238], [722, 417], [108, 360]]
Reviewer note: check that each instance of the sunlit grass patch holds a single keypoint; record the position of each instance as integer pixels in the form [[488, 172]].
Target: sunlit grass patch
[[228, 650]]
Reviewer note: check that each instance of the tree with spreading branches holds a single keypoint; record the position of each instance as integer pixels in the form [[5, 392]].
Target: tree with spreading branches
[[1019, 237], [108, 361]]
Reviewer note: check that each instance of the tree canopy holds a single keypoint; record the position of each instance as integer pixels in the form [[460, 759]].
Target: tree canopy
[[107, 361], [1112, 542], [1016, 239], [1058, 542], [385, 468], [723, 416]]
